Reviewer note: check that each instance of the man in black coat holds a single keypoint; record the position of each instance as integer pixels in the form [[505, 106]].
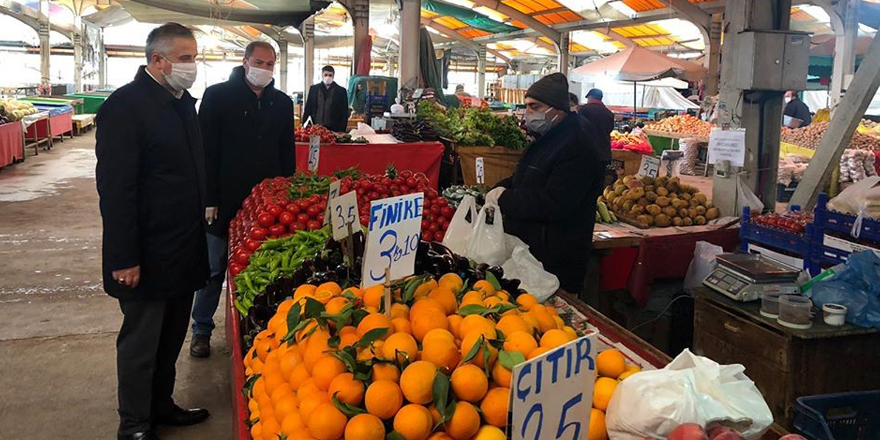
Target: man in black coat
[[247, 126], [151, 182], [601, 119], [327, 103], [796, 108], [550, 201]]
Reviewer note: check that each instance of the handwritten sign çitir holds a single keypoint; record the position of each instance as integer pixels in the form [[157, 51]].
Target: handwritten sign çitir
[[727, 145], [393, 238], [551, 395], [344, 212]]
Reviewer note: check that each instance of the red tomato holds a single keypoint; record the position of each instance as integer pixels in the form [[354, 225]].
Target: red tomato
[[293, 208], [366, 185], [286, 218], [242, 257], [435, 209], [321, 218], [447, 211], [396, 193], [365, 221], [259, 234], [411, 182], [282, 202], [265, 219], [235, 268], [298, 226], [381, 189], [276, 230], [386, 181], [406, 174], [314, 210], [252, 245], [425, 224], [427, 235], [445, 225], [438, 236], [374, 196], [313, 225], [274, 209], [315, 199], [428, 216], [442, 201], [394, 187], [432, 193], [303, 204], [432, 227], [303, 218]]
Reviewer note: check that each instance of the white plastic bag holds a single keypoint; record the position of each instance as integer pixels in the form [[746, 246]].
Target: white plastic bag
[[486, 243], [691, 388], [860, 198], [523, 266], [458, 233], [745, 197], [702, 265]]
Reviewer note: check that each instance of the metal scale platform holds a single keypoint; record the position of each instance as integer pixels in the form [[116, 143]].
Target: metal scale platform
[[744, 277]]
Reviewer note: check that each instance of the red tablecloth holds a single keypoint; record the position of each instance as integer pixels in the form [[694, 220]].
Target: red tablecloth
[[61, 124], [374, 158], [10, 143]]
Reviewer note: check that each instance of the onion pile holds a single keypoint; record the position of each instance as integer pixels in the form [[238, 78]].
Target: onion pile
[[811, 135], [683, 124]]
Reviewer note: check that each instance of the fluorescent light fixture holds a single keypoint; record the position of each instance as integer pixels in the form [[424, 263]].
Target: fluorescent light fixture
[[623, 8], [579, 6], [463, 3]]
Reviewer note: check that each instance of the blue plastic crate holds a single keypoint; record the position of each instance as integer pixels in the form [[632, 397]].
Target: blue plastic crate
[[843, 416], [776, 239], [826, 220]]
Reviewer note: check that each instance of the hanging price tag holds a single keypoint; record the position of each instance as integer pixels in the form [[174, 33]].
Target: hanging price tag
[[551, 395], [332, 193], [480, 172], [344, 212], [393, 238], [314, 151], [650, 166]]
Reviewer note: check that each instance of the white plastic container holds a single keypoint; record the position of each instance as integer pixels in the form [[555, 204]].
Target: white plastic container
[[834, 314], [770, 304], [794, 311]]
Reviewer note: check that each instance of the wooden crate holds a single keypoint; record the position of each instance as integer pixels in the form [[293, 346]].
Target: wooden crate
[[631, 160], [498, 163]]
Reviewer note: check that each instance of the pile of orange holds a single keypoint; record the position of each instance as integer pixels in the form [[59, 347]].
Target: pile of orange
[[438, 366], [612, 368]]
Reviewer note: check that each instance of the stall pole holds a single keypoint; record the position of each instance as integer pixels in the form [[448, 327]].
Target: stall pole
[[410, 17], [44, 42], [102, 60], [307, 31], [283, 60], [360, 14], [77, 53], [562, 48], [481, 71], [714, 55], [845, 22]]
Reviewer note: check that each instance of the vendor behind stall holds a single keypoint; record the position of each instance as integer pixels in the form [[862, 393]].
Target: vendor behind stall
[[550, 201], [327, 103], [796, 108]]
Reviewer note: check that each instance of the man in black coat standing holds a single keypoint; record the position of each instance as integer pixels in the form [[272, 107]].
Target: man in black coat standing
[[602, 120], [550, 201], [796, 108], [247, 126], [327, 103], [151, 182]]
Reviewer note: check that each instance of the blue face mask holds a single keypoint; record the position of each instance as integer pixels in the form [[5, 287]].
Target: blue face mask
[[537, 123]]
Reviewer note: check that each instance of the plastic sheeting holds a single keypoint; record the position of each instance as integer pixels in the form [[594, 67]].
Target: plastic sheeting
[[647, 96], [818, 99]]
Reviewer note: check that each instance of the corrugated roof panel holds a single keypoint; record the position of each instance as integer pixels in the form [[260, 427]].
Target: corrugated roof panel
[[570, 16], [515, 23], [429, 14], [473, 33], [544, 19], [574, 47], [533, 5], [450, 22], [515, 4], [549, 4]]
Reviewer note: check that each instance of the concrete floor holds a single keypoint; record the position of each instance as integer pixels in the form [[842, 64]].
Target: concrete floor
[[57, 326]]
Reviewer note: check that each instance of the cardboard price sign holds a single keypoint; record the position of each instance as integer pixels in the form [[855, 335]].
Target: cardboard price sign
[[332, 193], [314, 151], [551, 395], [344, 212], [650, 166], [393, 238]]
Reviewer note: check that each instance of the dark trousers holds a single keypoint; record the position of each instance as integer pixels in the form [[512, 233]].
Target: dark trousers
[[208, 297], [149, 342]]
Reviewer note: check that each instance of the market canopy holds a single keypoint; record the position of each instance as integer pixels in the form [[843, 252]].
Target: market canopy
[[638, 64], [271, 12]]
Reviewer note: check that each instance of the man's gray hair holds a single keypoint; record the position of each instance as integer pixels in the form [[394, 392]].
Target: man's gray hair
[[249, 50], [160, 39]]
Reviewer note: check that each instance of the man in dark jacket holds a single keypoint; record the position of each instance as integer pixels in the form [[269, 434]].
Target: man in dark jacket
[[601, 119], [247, 125], [151, 182], [550, 201], [796, 108], [327, 103]]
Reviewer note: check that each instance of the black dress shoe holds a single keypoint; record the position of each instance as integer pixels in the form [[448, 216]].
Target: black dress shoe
[[146, 435], [201, 346], [183, 417]]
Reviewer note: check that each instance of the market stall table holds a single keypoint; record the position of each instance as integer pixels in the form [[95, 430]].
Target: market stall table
[[34, 137], [11, 147], [422, 157]]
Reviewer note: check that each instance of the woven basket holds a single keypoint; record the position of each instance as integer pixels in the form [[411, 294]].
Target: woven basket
[[498, 163]]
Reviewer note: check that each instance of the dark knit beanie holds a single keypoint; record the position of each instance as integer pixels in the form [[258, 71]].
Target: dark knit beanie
[[551, 90]]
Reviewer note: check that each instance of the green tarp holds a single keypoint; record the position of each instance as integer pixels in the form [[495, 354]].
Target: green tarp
[[468, 16]]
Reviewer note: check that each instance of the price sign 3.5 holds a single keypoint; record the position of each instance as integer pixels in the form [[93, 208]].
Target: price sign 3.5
[[344, 212], [551, 395], [393, 238]]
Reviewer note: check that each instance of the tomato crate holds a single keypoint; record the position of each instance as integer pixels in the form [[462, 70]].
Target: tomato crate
[[797, 245], [833, 239]]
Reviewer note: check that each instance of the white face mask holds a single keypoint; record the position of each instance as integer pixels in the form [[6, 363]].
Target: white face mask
[[182, 76], [537, 123], [787, 99], [328, 80], [259, 77]]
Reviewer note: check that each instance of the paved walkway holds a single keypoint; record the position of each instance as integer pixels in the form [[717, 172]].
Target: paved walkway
[[57, 326]]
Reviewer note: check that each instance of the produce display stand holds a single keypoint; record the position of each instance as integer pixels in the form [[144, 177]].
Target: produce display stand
[[75, 103], [630, 160], [498, 163], [92, 101], [234, 345], [82, 123], [11, 149], [664, 140], [33, 137], [421, 157]]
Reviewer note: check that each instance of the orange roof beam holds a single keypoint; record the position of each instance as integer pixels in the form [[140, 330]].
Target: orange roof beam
[[522, 17]]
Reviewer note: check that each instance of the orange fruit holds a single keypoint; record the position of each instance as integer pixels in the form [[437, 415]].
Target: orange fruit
[[417, 382], [521, 342], [348, 339], [273, 381], [289, 361], [492, 301], [271, 428], [570, 332], [469, 383], [602, 391], [314, 353], [439, 435], [347, 389], [286, 406], [470, 341], [347, 330], [438, 334], [399, 311], [292, 423], [512, 323], [494, 406], [446, 297], [485, 286], [385, 371], [626, 374], [327, 422], [401, 325], [425, 288], [335, 305], [263, 347], [307, 389], [477, 323], [537, 352], [633, 367], [530, 321], [545, 320], [489, 432], [560, 324], [365, 427], [403, 343], [423, 304], [501, 375], [451, 281], [472, 297], [435, 415], [257, 431], [526, 301], [308, 406], [440, 351], [503, 295], [455, 324], [374, 321], [413, 422], [465, 422], [304, 290], [326, 370], [298, 376], [426, 320], [373, 296], [383, 399], [597, 430], [280, 392], [610, 363], [331, 287], [358, 293], [554, 338]]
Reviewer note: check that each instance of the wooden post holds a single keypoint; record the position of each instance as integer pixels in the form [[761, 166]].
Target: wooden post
[[388, 292], [841, 128]]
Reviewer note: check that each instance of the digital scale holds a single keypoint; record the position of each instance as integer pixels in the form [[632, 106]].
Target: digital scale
[[744, 277]]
